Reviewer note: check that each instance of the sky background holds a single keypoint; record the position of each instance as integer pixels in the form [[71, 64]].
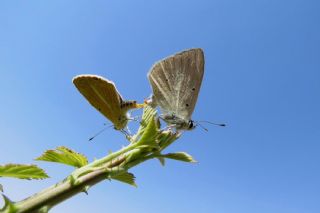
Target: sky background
[[262, 78]]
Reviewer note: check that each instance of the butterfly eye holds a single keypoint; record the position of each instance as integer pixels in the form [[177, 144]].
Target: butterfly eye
[[193, 89], [191, 126], [187, 105]]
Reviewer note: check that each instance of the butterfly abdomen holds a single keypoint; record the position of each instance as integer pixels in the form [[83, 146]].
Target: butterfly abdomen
[[130, 105]]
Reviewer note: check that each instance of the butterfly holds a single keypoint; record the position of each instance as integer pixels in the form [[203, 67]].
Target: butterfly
[[176, 82], [103, 95]]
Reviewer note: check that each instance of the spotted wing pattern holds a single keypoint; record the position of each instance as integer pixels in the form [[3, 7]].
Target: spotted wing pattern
[[176, 82]]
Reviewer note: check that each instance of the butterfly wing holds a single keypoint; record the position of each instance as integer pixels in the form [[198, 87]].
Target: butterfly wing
[[102, 95], [176, 82]]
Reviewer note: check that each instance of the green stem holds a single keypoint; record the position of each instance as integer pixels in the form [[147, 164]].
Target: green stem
[[109, 166], [93, 173]]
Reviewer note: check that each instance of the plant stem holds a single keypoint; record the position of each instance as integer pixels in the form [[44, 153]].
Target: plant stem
[[141, 149]]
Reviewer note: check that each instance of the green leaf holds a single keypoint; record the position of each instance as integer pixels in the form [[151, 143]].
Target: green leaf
[[150, 134], [149, 114], [125, 177], [181, 156], [22, 171], [166, 138], [65, 156]]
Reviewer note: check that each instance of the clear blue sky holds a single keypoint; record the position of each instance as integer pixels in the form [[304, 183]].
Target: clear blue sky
[[262, 77]]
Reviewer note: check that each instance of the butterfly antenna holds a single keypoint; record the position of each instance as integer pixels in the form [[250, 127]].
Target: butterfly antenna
[[126, 133], [217, 124], [198, 124], [98, 133], [135, 118]]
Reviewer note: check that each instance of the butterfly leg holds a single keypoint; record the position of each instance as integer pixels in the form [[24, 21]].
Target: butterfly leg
[[135, 118], [128, 130], [127, 133], [171, 127]]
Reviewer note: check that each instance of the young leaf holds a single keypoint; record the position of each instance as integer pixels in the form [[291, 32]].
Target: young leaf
[[181, 156], [166, 138], [149, 114], [65, 156], [150, 134], [22, 171], [126, 177]]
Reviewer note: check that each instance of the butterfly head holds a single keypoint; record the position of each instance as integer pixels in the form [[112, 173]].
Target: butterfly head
[[191, 125], [122, 122]]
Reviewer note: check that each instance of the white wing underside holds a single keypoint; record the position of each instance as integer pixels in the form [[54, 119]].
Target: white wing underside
[[176, 82]]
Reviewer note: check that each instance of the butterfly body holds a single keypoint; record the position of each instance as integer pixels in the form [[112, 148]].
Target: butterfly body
[[179, 123]]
